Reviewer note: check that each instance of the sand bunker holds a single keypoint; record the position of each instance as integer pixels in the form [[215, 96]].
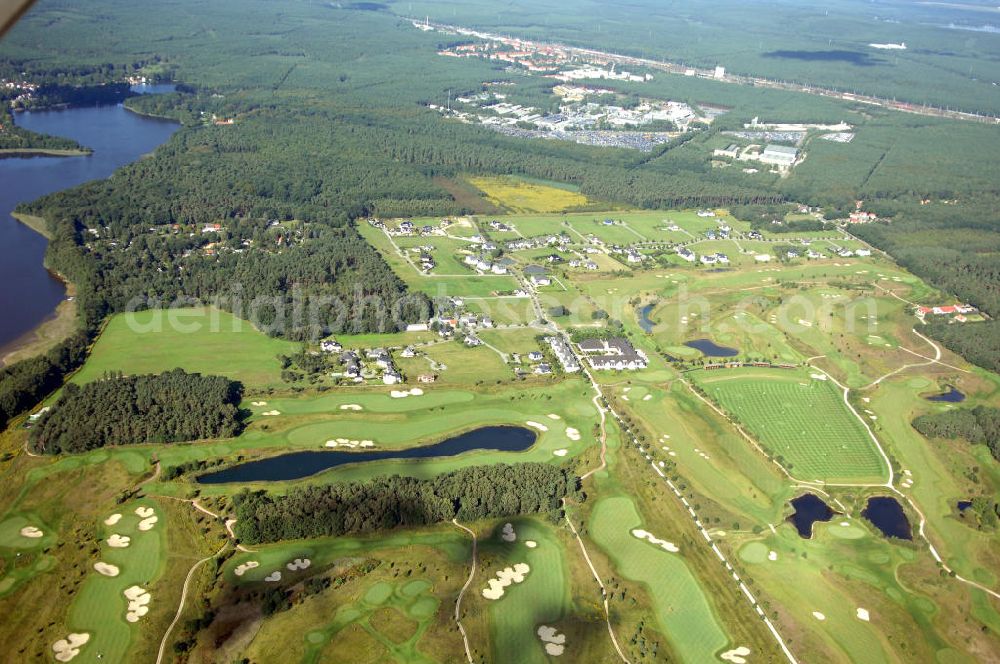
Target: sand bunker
[[148, 523], [117, 541], [351, 406], [536, 425], [347, 442], [663, 544], [736, 655], [138, 603], [805, 323], [572, 434], [32, 532], [299, 563], [68, 648], [400, 394], [560, 452], [113, 519], [144, 512], [243, 568], [553, 640], [863, 614], [508, 534], [258, 403], [505, 577], [818, 616], [273, 577], [647, 397], [553, 416], [272, 412], [531, 544], [818, 376], [772, 555], [106, 569]]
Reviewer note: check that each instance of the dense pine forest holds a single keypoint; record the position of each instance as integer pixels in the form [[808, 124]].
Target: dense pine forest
[[382, 503], [123, 410]]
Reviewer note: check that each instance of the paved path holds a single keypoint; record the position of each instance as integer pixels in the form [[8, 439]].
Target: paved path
[[461, 593]]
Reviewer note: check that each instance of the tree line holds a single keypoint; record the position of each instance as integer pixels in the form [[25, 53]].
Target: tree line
[[979, 426], [125, 410], [386, 502]]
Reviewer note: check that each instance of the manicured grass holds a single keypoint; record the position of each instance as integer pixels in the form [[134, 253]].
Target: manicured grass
[[541, 599], [100, 607], [681, 608], [203, 340], [521, 196], [799, 419]]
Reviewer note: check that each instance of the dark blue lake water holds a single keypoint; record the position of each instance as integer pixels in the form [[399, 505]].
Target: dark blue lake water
[[951, 396], [303, 464], [712, 349], [887, 515], [28, 293], [809, 508]]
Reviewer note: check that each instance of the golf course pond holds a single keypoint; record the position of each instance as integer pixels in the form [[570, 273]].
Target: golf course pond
[[886, 514], [809, 509], [644, 320], [951, 396], [711, 349], [297, 465]]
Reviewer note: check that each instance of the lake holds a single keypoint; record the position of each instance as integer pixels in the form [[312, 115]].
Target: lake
[[886, 514], [303, 464], [117, 136], [711, 349], [809, 508], [953, 395]]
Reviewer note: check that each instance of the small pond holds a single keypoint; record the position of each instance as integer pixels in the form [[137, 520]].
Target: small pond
[[711, 349], [644, 321], [809, 508], [887, 515], [964, 505], [951, 396], [297, 465]]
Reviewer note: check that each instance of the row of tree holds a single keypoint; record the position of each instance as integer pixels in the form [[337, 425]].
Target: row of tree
[[386, 502], [122, 410]]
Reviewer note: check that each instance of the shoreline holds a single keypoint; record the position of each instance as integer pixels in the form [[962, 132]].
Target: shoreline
[[9, 153], [52, 329]]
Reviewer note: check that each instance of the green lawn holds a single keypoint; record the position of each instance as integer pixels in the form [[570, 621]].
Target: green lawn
[[800, 419], [683, 612], [203, 340]]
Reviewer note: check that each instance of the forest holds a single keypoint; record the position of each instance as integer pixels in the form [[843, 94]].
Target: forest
[[127, 410], [979, 425], [386, 502]]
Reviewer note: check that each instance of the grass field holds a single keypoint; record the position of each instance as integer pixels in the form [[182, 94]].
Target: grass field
[[541, 599], [203, 340], [802, 421], [680, 606], [518, 195]]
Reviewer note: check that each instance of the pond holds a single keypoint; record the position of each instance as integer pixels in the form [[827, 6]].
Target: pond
[[886, 514], [711, 349], [644, 321], [809, 509], [297, 465], [117, 137], [951, 396]]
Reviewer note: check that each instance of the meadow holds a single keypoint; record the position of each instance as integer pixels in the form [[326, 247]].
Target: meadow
[[800, 420]]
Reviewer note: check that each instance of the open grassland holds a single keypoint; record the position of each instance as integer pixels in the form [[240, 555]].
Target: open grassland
[[802, 421], [518, 195], [203, 340], [400, 610], [680, 606]]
